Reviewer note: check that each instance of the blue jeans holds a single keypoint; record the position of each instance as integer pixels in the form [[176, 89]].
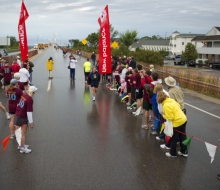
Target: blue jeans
[[30, 78], [72, 73], [93, 62]]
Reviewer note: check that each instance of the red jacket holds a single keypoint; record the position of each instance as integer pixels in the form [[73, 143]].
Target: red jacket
[[15, 68]]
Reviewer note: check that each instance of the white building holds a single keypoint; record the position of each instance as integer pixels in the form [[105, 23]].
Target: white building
[[156, 45], [210, 48], [179, 41]]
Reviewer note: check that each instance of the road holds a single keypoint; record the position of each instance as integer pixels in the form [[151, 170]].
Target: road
[[77, 144]]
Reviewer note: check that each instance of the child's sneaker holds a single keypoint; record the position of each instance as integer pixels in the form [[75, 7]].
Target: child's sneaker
[[12, 137], [25, 150], [25, 146], [7, 115]]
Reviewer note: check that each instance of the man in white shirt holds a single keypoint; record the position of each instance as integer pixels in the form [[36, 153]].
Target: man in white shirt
[[19, 61], [24, 75], [123, 73], [72, 65]]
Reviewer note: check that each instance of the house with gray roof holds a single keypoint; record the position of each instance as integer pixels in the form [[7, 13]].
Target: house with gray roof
[[147, 44], [210, 48]]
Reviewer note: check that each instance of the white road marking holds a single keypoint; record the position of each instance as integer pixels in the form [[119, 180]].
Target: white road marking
[[49, 85], [203, 111]]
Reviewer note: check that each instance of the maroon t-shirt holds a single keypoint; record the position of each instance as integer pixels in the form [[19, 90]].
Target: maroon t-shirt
[[127, 80], [2, 64], [117, 76], [13, 99], [137, 78], [25, 105], [21, 85], [131, 81], [7, 72]]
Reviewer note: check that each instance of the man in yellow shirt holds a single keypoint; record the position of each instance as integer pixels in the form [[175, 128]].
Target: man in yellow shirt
[[87, 69]]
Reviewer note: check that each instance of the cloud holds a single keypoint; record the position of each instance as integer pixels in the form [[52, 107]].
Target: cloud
[[77, 19]]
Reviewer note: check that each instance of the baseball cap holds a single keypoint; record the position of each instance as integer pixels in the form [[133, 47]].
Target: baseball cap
[[17, 76], [18, 57], [13, 81], [33, 88]]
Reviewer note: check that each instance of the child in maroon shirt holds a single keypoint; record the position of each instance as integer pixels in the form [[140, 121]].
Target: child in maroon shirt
[[23, 115], [7, 74], [14, 95]]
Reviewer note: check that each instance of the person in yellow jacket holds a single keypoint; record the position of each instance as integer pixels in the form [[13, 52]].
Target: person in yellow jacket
[[172, 111], [87, 69], [50, 67]]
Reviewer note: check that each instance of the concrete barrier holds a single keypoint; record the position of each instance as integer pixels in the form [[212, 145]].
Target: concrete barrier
[[11, 58]]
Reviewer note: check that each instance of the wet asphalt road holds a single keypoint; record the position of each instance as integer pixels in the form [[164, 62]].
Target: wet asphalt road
[[78, 144]]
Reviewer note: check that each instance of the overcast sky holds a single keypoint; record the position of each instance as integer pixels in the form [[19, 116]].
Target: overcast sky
[[72, 19]]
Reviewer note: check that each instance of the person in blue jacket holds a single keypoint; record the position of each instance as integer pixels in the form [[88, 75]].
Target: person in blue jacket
[[93, 81]]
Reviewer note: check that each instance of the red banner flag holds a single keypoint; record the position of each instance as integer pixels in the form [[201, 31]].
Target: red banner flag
[[22, 32], [4, 143], [105, 65]]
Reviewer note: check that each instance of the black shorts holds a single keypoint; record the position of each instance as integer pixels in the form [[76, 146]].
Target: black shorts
[[95, 86], [86, 74], [6, 83], [129, 90], [11, 112], [20, 121], [139, 93], [25, 83], [147, 105], [109, 74]]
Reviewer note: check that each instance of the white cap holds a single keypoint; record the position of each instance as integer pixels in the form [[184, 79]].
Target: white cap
[[18, 57], [17, 76], [33, 88]]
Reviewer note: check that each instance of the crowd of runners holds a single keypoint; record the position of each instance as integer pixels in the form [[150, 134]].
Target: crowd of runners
[[16, 81]]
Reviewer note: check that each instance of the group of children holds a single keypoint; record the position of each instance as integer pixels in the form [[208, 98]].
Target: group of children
[[17, 87], [138, 88]]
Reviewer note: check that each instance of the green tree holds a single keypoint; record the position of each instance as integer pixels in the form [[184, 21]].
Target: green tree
[[129, 37], [13, 41], [113, 33], [163, 53], [93, 39], [190, 52]]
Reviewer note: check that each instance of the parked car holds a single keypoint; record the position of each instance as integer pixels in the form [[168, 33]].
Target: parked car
[[191, 63], [214, 64], [183, 62], [178, 60]]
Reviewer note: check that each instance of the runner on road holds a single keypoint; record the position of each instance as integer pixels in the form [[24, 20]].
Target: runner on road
[[93, 81], [50, 64], [72, 66], [24, 75], [87, 69]]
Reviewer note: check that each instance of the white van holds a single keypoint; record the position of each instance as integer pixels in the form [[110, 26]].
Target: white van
[[35, 46]]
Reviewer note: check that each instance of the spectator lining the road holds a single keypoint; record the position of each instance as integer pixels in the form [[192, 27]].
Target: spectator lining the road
[[23, 116], [7, 74], [14, 95], [175, 92], [172, 112], [24, 75]]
